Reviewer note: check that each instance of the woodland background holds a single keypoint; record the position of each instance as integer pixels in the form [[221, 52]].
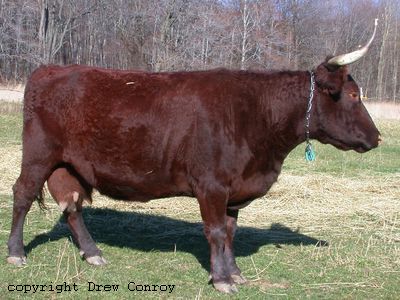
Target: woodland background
[[166, 35]]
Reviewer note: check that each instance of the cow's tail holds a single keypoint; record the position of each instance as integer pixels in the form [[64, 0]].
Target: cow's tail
[[40, 199]]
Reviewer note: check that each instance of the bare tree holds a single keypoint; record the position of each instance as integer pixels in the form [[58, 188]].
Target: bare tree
[[188, 34]]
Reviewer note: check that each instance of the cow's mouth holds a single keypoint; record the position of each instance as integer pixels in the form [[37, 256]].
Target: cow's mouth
[[358, 147], [361, 149]]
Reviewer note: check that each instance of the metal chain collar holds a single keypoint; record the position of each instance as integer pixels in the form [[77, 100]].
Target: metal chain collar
[[310, 155], [308, 112]]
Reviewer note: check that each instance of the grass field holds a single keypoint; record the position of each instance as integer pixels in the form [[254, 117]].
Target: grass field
[[327, 230]]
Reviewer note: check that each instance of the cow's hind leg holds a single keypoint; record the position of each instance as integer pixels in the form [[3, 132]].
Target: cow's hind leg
[[69, 193], [213, 212], [231, 225], [28, 186], [40, 156]]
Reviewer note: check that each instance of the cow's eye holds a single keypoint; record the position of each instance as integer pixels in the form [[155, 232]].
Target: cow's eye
[[353, 95]]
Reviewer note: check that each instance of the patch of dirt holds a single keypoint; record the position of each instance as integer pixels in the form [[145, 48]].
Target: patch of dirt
[[383, 110], [11, 95]]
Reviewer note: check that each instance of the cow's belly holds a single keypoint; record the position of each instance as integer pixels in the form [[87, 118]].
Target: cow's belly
[[254, 187], [123, 192], [147, 188], [128, 184]]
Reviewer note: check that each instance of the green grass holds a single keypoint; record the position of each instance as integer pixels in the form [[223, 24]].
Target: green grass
[[382, 160], [327, 230], [10, 129]]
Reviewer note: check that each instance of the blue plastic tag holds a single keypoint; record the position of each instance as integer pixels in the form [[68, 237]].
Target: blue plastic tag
[[310, 154]]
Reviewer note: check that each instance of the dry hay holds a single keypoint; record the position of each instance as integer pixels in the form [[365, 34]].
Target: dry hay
[[317, 197], [10, 163], [10, 107]]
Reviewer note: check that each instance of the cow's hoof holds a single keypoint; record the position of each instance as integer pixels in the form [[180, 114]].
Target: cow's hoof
[[18, 261], [238, 279], [225, 287], [96, 260]]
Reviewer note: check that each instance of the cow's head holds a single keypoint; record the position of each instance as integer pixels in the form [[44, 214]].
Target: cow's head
[[343, 121]]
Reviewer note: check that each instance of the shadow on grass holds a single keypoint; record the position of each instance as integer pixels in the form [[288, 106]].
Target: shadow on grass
[[147, 232]]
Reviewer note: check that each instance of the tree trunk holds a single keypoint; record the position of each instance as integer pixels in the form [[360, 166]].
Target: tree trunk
[[382, 59]]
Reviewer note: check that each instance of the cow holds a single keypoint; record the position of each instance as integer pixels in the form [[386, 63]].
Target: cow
[[220, 136]]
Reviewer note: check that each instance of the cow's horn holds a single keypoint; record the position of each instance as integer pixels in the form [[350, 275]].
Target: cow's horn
[[348, 58]]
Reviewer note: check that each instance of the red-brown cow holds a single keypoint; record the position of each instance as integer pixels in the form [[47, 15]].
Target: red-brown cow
[[220, 136]]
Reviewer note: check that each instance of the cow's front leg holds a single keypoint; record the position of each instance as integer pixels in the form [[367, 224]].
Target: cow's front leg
[[231, 225], [213, 212]]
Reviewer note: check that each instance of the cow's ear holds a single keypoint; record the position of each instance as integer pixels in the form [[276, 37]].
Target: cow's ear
[[330, 79]]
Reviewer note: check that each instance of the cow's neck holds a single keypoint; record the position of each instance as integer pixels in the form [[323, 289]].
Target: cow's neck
[[286, 112], [280, 126]]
